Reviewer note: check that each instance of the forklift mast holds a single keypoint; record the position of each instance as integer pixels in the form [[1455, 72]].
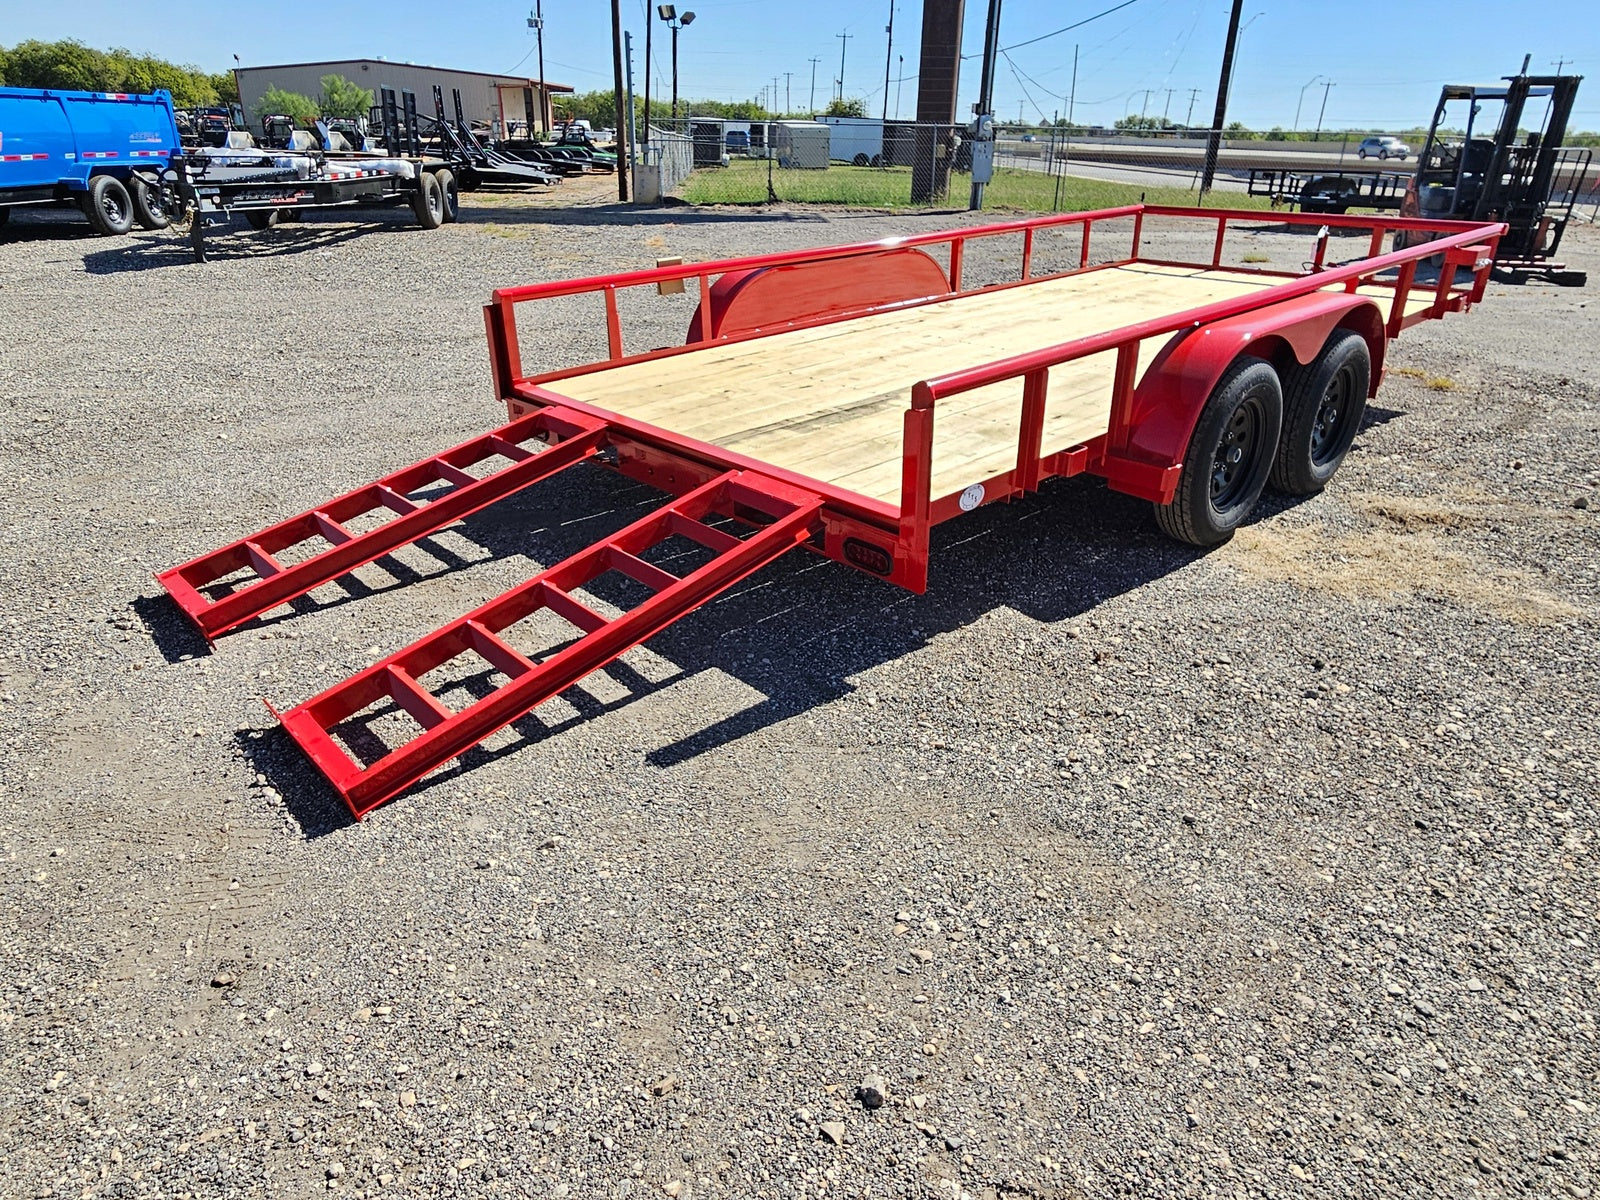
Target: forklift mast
[[1508, 176]]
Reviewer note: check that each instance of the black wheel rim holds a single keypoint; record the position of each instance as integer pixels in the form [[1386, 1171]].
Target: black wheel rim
[[1234, 459], [1328, 427], [112, 207]]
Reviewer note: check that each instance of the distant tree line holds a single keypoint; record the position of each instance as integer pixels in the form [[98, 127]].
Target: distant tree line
[[72, 66]]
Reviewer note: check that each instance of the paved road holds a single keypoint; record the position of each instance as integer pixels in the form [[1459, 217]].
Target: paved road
[[1180, 157], [1167, 167]]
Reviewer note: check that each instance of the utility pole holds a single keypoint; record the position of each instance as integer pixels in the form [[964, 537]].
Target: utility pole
[[788, 92], [888, 60], [1317, 136], [1214, 135], [1560, 62], [1145, 107], [627, 50], [1194, 94], [844, 44], [536, 20], [899, 83], [812, 107], [991, 55], [1166, 106], [616, 83]]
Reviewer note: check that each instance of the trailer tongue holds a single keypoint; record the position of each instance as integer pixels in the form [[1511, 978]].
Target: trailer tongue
[[801, 413]]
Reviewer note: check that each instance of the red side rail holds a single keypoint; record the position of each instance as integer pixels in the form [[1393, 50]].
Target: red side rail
[[1465, 245]]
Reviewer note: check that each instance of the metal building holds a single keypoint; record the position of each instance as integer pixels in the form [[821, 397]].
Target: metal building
[[509, 104]]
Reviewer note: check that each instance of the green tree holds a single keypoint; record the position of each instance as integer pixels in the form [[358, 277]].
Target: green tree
[[341, 98], [72, 66], [226, 87], [302, 110], [852, 107]]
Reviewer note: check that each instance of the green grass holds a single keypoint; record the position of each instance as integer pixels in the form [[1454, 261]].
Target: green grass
[[745, 182]]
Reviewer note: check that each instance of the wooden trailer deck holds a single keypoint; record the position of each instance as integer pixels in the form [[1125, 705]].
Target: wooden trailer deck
[[827, 402]]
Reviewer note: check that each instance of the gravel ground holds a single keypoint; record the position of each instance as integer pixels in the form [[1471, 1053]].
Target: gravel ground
[[1110, 868]]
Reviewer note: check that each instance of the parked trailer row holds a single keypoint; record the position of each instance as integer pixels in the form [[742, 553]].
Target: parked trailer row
[[119, 157], [804, 410]]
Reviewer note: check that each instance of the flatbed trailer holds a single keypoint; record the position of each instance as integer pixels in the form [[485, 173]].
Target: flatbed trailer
[[264, 196], [1329, 191], [847, 400]]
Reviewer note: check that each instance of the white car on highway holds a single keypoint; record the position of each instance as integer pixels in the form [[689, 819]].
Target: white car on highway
[[1383, 147]]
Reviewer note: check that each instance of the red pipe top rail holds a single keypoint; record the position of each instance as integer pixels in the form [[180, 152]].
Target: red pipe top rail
[[926, 393]]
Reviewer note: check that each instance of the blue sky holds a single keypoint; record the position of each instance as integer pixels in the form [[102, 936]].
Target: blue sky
[[735, 47]]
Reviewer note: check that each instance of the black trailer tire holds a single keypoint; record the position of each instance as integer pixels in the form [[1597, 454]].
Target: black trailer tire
[[861, 160], [148, 209], [1230, 455], [447, 190], [427, 203], [1322, 408], [5, 213], [261, 218], [108, 206]]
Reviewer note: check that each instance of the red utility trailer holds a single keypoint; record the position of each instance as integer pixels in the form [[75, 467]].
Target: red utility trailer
[[847, 400]]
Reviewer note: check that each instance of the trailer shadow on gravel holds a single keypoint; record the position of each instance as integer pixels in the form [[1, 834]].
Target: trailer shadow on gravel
[[238, 243], [797, 632]]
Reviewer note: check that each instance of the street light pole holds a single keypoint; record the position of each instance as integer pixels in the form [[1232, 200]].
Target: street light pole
[[844, 44], [1302, 100], [812, 107], [649, 27], [888, 61]]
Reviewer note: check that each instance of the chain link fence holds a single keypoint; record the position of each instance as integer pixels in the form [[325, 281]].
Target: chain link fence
[[902, 164]]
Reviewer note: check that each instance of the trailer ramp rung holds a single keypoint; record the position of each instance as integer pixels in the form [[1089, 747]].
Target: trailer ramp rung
[[783, 517], [222, 590]]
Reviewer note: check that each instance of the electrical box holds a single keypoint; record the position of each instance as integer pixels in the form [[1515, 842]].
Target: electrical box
[[981, 134]]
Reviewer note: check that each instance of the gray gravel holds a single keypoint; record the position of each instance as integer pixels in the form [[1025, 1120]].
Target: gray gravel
[[1123, 870]]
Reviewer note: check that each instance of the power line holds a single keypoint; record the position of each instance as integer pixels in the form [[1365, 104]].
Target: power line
[[1063, 29]]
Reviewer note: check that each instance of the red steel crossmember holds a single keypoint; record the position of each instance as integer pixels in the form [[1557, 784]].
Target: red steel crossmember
[[571, 437], [786, 516]]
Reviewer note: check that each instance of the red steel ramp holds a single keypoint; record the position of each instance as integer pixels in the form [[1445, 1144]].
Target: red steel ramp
[[408, 689], [224, 589]]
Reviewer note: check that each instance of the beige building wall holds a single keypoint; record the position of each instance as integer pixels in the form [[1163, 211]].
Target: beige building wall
[[491, 98]]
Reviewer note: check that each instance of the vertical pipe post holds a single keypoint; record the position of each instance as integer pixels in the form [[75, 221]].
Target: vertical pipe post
[[617, 97]]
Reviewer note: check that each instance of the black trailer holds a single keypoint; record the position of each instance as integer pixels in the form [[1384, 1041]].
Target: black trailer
[[267, 187], [1329, 193]]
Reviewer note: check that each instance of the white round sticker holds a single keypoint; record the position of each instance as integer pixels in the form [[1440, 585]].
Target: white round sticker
[[972, 497]]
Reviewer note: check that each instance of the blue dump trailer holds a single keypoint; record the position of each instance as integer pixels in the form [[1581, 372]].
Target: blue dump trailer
[[103, 151]]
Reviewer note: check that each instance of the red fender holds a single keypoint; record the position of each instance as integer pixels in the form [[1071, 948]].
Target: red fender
[[743, 301], [1166, 405]]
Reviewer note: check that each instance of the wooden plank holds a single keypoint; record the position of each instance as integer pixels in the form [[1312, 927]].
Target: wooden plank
[[829, 402]]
